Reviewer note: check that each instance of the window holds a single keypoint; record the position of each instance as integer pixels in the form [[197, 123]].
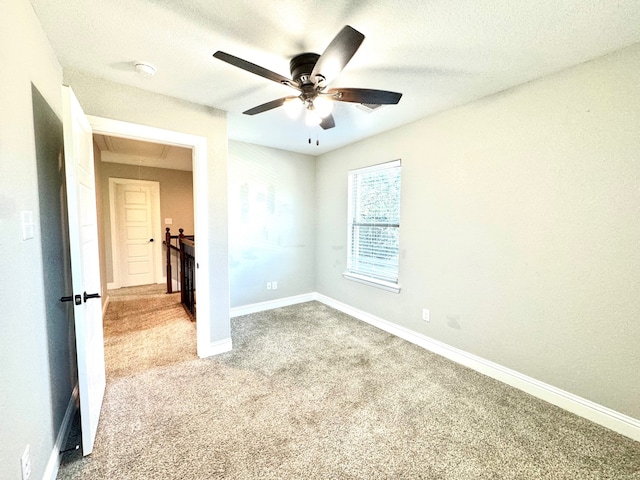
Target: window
[[374, 225]]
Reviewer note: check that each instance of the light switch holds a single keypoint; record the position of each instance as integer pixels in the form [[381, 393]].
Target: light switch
[[27, 224]]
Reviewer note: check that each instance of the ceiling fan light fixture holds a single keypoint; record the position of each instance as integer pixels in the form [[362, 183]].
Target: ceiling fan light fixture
[[293, 107], [323, 106], [312, 118]]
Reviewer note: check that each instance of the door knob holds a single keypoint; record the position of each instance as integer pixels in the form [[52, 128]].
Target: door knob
[[77, 299], [151, 240], [87, 296]]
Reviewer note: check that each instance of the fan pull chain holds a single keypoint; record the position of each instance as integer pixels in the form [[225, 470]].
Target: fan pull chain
[[317, 140]]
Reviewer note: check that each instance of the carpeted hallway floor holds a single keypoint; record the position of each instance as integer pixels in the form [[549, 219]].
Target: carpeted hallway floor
[[311, 393]]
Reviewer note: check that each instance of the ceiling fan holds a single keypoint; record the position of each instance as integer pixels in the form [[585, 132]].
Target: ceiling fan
[[310, 75]]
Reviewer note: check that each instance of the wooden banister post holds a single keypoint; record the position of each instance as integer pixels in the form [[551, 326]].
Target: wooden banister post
[[182, 285], [167, 242]]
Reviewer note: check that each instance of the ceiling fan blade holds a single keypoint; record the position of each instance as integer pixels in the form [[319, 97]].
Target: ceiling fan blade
[[337, 55], [267, 106], [364, 95], [255, 69], [328, 122]]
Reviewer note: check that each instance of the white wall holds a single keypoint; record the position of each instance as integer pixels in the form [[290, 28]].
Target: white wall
[[111, 100], [25, 387], [520, 228], [271, 223]]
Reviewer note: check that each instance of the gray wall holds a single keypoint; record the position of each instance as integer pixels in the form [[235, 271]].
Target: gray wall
[[271, 223], [106, 99], [520, 229], [30, 404]]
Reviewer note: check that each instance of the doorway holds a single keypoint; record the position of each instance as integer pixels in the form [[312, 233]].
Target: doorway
[[56, 259], [147, 187], [198, 148]]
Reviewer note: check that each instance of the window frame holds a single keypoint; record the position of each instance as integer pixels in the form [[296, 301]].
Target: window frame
[[353, 274]]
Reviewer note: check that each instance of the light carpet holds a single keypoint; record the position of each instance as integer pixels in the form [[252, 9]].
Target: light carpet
[[311, 393]]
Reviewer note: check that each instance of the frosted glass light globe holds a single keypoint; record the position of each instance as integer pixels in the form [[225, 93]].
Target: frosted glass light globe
[[312, 118], [323, 106], [292, 107]]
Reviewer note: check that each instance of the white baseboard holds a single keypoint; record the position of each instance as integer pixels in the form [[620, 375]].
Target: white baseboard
[[51, 472], [215, 348], [271, 304], [592, 411]]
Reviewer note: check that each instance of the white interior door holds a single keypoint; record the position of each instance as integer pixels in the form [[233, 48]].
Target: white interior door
[[85, 265], [135, 234]]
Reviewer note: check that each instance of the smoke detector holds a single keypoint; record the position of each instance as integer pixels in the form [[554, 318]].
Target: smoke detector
[[145, 69]]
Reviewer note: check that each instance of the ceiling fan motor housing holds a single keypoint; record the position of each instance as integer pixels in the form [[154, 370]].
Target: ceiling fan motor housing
[[301, 67]]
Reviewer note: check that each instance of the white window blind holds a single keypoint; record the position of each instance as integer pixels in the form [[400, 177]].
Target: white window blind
[[374, 222]]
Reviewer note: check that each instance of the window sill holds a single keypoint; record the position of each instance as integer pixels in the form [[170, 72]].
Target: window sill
[[388, 286]]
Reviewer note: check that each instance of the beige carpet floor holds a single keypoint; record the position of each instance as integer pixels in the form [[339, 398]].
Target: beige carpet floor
[[145, 328], [311, 393]]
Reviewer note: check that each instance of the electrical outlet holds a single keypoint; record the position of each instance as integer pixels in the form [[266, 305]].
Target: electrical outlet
[[268, 285], [274, 285], [426, 315], [25, 462]]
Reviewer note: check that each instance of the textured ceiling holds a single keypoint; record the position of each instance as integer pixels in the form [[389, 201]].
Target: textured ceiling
[[439, 54]]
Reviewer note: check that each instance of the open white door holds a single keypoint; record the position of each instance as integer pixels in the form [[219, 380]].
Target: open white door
[[85, 264]]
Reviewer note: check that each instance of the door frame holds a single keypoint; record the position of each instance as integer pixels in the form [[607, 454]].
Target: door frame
[[198, 145], [155, 227]]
